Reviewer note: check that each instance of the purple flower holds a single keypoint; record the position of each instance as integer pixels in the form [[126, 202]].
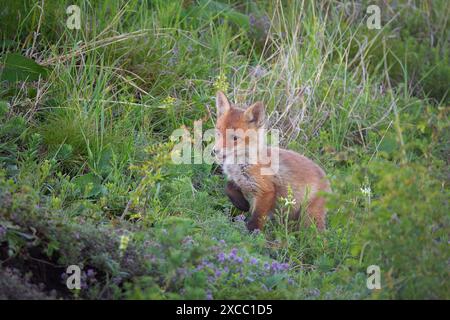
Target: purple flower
[[218, 273], [275, 266], [239, 259], [266, 266], [209, 296], [91, 273], [117, 280], [221, 257], [314, 292], [253, 261], [233, 253]]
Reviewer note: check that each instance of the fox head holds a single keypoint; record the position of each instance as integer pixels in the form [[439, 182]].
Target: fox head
[[239, 131]]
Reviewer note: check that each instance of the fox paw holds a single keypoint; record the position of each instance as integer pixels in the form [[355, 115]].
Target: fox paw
[[253, 226]]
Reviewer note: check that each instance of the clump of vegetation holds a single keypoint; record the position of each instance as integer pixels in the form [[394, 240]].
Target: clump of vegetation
[[86, 176]]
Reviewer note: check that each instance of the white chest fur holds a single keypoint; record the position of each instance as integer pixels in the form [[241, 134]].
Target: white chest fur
[[240, 175]]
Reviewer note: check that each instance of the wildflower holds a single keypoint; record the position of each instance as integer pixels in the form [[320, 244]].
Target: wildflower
[[314, 292], [285, 266], [221, 257], [256, 232], [174, 57], [90, 273], [239, 260], [307, 90], [209, 296], [117, 280], [124, 240], [253, 261], [276, 266], [207, 264], [221, 83], [258, 71], [168, 102], [366, 191], [232, 254], [289, 200]]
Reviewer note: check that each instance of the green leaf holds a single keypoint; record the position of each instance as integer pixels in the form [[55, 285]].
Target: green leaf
[[7, 44], [3, 108], [19, 68], [388, 145], [88, 185], [104, 163], [211, 7]]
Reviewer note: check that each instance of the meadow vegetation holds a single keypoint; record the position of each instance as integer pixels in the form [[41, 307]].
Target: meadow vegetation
[[86, 176]]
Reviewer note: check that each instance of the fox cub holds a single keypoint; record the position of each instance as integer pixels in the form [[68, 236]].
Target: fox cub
[[255, 183]]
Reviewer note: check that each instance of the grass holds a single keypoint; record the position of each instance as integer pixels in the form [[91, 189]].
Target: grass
[[85, 170]]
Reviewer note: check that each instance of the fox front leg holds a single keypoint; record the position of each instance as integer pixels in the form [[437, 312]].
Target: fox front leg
[[263, 205], [236, 196]]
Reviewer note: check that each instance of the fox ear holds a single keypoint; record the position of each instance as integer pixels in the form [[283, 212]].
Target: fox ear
[[255, 114], [222, 103]]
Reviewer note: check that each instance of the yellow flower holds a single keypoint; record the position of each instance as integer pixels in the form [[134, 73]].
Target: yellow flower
[[124, 240], [221, 83], [168, 102]]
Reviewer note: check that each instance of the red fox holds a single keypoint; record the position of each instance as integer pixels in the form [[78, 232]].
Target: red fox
[[249, 189]]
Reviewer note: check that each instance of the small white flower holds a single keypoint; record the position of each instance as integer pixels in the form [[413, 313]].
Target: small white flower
[[366, 191], [288, 201]]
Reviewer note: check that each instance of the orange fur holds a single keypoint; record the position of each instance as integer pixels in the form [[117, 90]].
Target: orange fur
[[302, 175]]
